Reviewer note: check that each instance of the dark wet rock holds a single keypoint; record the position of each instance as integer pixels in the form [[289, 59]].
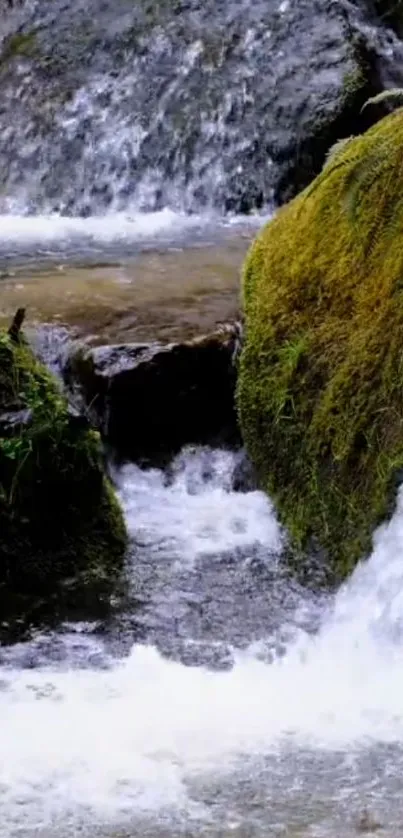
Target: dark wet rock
[[244, 478], [388, 13], [111, 103], [149, 400], [76, 418]]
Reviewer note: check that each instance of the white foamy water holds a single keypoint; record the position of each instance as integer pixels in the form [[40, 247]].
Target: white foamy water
[[196, 513], [56, 232], [145, 743], [41, 236]]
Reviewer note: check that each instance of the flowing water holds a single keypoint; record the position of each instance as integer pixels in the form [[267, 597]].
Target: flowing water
[[220, 698], [224, 700]]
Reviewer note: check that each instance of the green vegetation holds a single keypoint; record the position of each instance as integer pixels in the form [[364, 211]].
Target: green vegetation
[[392, 95], [59, 517], [22, 44], [320, 391]]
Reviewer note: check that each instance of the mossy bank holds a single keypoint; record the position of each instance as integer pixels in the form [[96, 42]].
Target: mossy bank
[[60, 522], [320, 392]]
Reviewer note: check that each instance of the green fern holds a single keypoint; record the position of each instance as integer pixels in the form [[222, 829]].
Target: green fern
[[362, 172], [360, 178], [332, 163], [392, 95], [335, 150], [371, 167]]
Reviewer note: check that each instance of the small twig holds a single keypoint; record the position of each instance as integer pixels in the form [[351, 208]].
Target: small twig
[[15, 328]]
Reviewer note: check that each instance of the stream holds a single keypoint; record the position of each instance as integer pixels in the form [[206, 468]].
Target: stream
[[142, 145], [222, 700]]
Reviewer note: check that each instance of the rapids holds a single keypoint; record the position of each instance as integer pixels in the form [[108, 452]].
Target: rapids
[[222, 700]]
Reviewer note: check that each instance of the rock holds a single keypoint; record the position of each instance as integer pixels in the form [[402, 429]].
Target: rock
[[320, 391], [188, 105], [244, 477], [149, 400], [61, 527], [389, 13]]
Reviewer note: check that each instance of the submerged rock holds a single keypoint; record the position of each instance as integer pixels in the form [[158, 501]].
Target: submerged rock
[[320, 390], [149, 400], [61, 528]]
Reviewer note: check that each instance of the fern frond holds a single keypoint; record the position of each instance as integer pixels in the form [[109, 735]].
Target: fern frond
[[358, 178], [327, 169], [360, 182], [394, 95], [335, 149]]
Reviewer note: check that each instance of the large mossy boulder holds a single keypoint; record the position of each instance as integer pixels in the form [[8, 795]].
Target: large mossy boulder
[[60, 523], [320, 391]]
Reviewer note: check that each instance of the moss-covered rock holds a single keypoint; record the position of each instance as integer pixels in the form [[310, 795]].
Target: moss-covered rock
[[320, 392], [59, 518]]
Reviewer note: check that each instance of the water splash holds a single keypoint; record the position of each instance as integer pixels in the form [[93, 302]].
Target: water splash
[[133, 740], [114, 236], [192, 512], [115, 107]]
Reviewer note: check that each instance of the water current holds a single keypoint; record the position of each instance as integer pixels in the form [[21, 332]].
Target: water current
[[223, 700], [220, 698]]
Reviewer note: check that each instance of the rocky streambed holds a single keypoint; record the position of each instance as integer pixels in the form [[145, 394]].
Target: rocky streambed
[[145, 352], [196, 687]]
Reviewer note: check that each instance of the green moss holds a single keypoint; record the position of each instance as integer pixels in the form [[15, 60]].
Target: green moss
[[22, 44], [59, 517], [320, 391], [354, 81]]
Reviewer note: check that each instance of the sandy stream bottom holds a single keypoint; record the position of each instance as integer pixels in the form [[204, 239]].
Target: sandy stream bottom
[[165, 295]]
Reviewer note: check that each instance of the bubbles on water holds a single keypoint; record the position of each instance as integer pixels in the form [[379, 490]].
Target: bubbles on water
[[191, 510], [92, 739], [115, 235], [49, 236]]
